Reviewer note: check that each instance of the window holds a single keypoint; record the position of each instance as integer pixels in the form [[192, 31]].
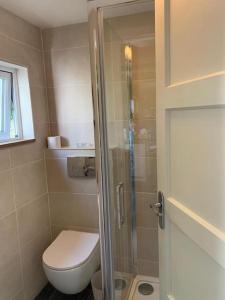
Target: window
[[10, 119], [16, 120]]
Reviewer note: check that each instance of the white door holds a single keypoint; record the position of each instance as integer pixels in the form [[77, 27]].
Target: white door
[[190, 50]]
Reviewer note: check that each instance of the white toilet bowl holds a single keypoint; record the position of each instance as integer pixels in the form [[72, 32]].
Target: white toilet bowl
[[70, 261]]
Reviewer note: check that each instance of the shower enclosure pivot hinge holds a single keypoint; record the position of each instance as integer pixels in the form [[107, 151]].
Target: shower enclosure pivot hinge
[[159, 209]]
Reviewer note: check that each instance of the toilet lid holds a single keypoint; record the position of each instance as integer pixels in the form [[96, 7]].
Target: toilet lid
[[70, 249]]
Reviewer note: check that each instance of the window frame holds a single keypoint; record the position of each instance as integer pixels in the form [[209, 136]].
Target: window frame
[[12, 95]]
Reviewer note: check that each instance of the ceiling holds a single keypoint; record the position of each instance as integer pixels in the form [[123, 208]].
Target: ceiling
[[54, 13], [48, 13]]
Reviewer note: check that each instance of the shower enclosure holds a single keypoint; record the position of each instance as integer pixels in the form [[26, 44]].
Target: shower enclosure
[[111, 60]]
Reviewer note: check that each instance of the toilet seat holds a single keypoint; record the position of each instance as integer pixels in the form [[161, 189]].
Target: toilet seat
[[70, 250]]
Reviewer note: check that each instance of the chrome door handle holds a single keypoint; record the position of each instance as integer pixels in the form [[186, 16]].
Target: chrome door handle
[[120, 204], [159, 209], [156, 207]]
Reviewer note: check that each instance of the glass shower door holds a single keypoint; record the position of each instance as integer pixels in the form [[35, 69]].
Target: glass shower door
[[111, 60], [117, 62]]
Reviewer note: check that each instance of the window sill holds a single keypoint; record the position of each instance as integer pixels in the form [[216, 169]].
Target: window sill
[[16, 142]]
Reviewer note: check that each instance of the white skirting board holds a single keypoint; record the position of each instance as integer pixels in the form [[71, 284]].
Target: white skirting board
[[134, 293]]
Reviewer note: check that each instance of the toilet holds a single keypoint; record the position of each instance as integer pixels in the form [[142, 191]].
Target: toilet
[[70, 261]]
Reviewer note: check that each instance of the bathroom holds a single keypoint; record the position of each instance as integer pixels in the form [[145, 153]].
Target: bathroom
[[107, 113]]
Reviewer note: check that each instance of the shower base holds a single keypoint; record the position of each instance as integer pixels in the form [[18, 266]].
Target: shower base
[[144, 288]]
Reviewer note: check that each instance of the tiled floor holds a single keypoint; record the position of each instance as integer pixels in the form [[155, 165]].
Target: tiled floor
[[50, 293]]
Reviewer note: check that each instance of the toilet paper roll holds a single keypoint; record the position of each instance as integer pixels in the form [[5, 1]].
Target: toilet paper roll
[[54, 142]]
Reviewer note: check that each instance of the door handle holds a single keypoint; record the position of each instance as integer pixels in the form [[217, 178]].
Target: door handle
[[120, 204], [159, 209]]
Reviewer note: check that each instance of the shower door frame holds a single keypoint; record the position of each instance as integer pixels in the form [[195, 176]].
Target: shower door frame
[[95, 18]]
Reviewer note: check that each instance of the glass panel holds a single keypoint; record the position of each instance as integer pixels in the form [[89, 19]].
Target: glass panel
[[5, 102], [1, 104], [8, 109], [117, 62], [129, 65]]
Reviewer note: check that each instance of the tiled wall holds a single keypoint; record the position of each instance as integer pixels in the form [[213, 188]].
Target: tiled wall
[[145, 154], [69, 83], [24, 211], [73, 201]]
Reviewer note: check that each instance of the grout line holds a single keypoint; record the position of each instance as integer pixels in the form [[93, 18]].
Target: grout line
[[17, 228], [48, 195], [148, 80], [37, 86], [31, 201], [148, 260], [49, 132], [46, 51], [10, 213], [71, 193], [69, 85], [16, 208], [46, 83], [146, 193], [19, 42], [12, 167], [76, 227], [17, 293]]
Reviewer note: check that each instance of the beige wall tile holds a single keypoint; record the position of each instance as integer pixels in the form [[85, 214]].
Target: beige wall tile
[[10, 278], [144, 200], [74, 210], [123, 265], [108, 62], [33, 219], [70, 103], [144, 61], [20, 54], [66, 36], [59, 181], [68, 78], [68, 67], [39, 104], [118, 61], [21, 154], [144, 93], [134, 26], [8, 240], [147, 244], [145, 175], [57, 229], [147, 268], [74, 133], [19, 296], [4, 159], [122, 242], [18, 29], [41, 132], [6, 193], [121, 100], [29, 182], [145, 137], [33, 273], [145, 217]]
